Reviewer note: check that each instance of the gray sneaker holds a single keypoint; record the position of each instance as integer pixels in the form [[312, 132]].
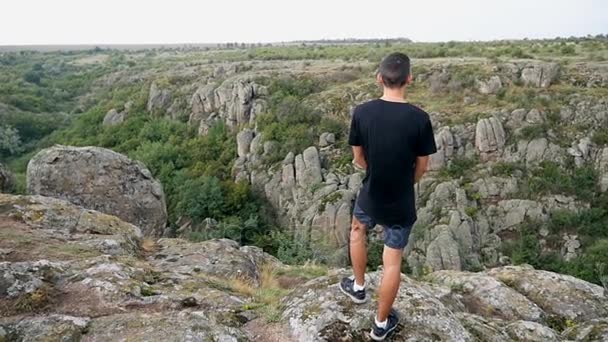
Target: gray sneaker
[[346, 286], [392, 321]]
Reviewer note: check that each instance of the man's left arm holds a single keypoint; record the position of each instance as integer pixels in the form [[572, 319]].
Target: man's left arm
[[426, 146]]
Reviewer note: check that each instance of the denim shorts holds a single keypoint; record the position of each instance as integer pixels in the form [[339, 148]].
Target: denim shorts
[[395, 236]]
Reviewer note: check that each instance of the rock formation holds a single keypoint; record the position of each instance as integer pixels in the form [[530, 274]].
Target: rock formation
[[89, 276], [236, 101], [103, 180], [158, 99], [7, 180], [489, 138]]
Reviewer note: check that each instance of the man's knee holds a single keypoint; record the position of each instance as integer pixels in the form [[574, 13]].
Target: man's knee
[[357, 229]]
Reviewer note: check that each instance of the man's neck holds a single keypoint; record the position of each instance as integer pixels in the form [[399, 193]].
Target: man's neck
[[394, 95]]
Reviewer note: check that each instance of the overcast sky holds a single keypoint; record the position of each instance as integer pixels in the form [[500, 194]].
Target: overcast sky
[[202, 21]]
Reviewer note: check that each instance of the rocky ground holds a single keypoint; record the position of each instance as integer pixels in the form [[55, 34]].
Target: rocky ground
[[74, 274]]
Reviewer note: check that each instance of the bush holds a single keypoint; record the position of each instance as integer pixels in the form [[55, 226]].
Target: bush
[[10, 141], [600, 137], [551, 178], [459, 167]]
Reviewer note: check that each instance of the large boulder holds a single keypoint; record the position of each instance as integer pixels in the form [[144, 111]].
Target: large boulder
[[55, 229], [7, 180], [103, 180]]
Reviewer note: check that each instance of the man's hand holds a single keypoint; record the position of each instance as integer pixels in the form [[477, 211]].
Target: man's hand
[[421, 165], [359, 157]]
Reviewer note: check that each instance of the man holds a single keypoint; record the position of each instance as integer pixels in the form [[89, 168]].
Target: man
[[391, 140]]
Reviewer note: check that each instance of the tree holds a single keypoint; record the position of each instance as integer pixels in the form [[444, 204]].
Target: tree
[[10, 142], [32, 77]]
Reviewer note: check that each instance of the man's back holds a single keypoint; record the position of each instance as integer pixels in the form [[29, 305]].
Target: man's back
[[392, 135]]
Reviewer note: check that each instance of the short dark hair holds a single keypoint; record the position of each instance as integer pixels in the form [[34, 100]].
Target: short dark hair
[[395, 70]]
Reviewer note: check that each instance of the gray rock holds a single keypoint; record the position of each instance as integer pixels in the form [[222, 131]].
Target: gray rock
[[7, 180], [52, 327], [540, 75], [243, 141], [308, 168], [158, 99], [591, 330], [327, 139], [485, 296], [602, 167], [233, 102], [557, 294], [218, 257], [102, 180], [530, 332], [113, 117], [442, 253], [318, 312], [160, 327], [491, 86], [65, 230], [489, 138], [445, 149]]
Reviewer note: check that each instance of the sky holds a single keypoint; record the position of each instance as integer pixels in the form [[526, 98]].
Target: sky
[[24, 22]]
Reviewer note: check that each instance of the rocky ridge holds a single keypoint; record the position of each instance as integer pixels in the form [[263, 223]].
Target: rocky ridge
[[88, 276]]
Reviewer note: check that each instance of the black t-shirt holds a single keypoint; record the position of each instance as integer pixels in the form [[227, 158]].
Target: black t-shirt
[[392, 135]]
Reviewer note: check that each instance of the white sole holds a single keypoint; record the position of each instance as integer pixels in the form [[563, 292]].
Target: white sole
[[378, 338], [354, 299]]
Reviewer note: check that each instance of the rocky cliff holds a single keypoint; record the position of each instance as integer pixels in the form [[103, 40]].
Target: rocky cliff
[[72, 274]]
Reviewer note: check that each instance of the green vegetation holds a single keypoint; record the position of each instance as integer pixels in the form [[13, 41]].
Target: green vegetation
[[551, 178], [459, 167], [590, 225], [289, 121], [62, 97]]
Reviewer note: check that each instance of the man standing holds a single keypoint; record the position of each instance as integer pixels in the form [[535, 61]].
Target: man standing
[[391, 140]]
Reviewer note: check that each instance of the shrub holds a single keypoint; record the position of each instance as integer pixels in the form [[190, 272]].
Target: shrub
[[600, 137], [459, 167]]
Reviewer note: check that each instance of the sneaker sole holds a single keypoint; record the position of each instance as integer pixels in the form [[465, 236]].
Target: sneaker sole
[[353, 298], [381, 338]]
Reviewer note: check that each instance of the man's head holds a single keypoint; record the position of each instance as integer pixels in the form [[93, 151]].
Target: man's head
[[394, 71]]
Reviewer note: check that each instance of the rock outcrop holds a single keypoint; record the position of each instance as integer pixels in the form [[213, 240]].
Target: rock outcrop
[[7, 180], [490, 86], [313, 203], [455, 306], [114, 117], [158, 99], [602, 167], [103, 180], [70, 273], [489, 138], [89, 276], [236, 101], [540, 75]]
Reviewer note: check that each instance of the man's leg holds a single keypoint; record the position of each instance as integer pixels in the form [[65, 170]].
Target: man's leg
[[358, 250], [391, 277]]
